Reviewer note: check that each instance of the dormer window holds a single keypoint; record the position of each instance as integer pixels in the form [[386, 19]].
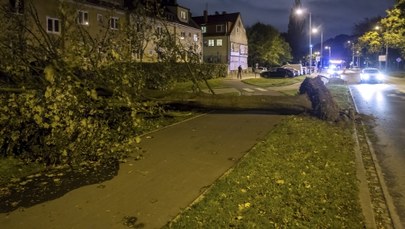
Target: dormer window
[[183, 15], [219, 28], [203, 29]]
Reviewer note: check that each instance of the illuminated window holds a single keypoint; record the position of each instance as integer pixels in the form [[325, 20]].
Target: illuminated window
[[203, 29], [211, 42], [83, 17], [183, 15], [195, 37], [52, 25], [219, 42]]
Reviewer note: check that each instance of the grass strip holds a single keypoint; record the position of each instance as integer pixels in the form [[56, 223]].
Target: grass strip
[[301, 176]]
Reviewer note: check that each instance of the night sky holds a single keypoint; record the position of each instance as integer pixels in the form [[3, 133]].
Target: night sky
[[335, 16]]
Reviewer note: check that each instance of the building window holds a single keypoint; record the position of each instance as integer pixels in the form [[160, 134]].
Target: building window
[[100, 19], [219, 42], [159, 31], [17, 6], [211, 42], [203, 29], [195, 37], [114, 23], [220, 28], [83, 17], [182, 35], [183, 15], [52, 25]]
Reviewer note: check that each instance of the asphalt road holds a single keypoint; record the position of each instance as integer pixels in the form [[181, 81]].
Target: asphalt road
[[386, 104]]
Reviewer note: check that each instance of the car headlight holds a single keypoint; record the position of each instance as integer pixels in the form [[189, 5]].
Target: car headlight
[[380, 76]]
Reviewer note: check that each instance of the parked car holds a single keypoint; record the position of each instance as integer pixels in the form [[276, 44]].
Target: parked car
[[261, 69], [296, 67], [371, 75], [277, 72], [295, 71]]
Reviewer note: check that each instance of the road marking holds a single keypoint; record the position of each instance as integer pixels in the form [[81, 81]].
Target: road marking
[[248, 89], [260, 89], [399, 95]]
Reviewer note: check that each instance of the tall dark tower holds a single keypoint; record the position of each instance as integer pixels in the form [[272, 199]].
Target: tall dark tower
[[295, 34]]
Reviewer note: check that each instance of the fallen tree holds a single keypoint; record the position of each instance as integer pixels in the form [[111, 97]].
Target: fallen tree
[[314, 97], [277, 104], [323, 104]]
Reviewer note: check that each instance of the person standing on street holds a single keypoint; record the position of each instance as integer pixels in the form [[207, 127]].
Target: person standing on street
[[239, 72]]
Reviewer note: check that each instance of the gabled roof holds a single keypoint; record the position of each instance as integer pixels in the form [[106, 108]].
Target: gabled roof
[[173, 17], [218, 18]]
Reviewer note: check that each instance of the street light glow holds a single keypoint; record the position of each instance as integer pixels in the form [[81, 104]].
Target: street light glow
[[299, 11]]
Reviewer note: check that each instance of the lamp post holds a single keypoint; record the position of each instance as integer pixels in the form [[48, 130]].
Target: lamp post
[[352, 47], [386, 49], [316, 30], [299, 12], [330, 52]]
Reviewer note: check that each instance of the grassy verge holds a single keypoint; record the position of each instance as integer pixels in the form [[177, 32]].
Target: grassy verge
[[341, 95], [187, 86], [273, 82], [301, 176]]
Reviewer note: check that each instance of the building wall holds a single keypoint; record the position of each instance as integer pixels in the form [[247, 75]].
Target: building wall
[[239, 46], [97, 20]]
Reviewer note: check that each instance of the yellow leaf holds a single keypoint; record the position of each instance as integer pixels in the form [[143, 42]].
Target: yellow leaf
[[280, 182]]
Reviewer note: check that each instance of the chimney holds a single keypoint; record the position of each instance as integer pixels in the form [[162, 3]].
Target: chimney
[[223, 12], [205, 16]]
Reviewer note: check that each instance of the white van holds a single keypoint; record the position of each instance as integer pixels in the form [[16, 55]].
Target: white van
[[297, 67]]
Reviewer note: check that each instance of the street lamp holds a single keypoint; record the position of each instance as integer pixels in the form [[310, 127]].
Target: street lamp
[[299, 12], [316, 30], [330, 51], [386, 49], [352, 46]]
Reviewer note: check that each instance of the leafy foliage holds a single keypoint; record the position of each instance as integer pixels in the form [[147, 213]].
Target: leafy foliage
[[390, 33], [68, 123], [266, 46]]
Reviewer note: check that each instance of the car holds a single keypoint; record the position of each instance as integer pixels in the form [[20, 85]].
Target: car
[[296, 72], [261, 69], [296, 67], [371, 75], [277, 72], [334, 71]]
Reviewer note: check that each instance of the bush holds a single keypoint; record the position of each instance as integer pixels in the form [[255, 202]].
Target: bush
[[161, 75], [68, 123]]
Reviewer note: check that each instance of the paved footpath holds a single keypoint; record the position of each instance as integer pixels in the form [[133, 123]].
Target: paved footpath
[[179, 163]]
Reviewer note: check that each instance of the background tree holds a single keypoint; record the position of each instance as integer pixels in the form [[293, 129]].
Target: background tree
[[296, 32], [266, 46]]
